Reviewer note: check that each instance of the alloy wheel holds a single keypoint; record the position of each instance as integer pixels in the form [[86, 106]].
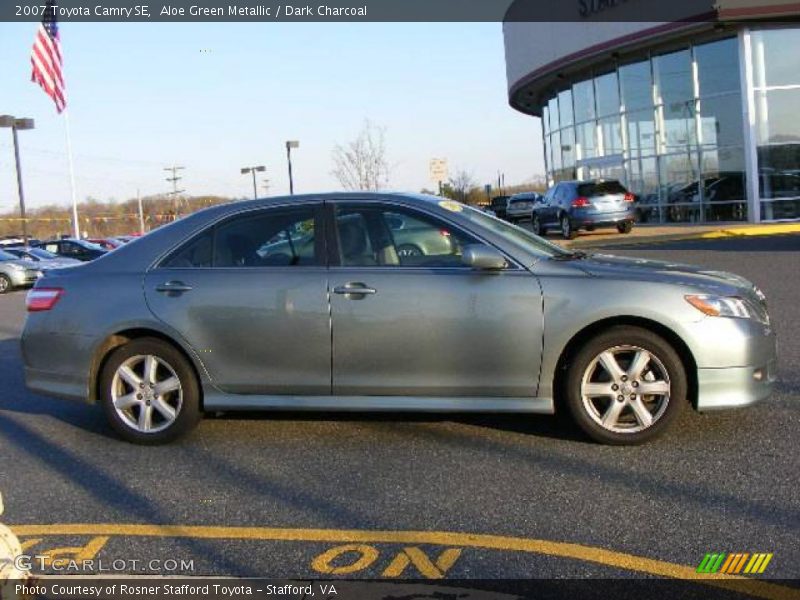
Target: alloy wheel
[[625, 389], [146, 393]]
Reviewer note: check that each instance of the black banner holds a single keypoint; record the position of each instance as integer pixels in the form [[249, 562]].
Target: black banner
[[112, 588], [365, 10]]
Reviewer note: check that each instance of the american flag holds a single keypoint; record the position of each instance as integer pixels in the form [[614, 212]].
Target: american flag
[[46, 58]]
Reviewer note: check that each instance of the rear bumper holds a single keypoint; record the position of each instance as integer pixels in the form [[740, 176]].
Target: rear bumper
[[585, 218], [57, 364]]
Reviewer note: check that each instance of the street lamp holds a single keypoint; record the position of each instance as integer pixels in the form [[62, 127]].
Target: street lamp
[[289, 145], [254, 170], [15, 125]]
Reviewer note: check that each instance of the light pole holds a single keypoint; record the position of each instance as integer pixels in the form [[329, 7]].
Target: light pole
[[17, 124], [254, 170], [289, 145]]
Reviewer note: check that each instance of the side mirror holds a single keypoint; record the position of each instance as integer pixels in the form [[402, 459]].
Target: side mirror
[[483, 257]]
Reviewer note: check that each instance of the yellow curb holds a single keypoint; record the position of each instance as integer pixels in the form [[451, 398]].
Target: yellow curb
[[755, 230], [678, 236], [611, 558]]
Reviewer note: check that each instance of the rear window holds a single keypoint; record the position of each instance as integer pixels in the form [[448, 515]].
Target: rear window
[[521, 200], [601, 188]]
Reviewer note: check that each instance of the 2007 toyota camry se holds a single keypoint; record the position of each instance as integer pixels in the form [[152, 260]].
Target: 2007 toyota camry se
[[389, 302]]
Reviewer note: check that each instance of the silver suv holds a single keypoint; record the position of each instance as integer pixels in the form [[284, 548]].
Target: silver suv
[[520, 206]]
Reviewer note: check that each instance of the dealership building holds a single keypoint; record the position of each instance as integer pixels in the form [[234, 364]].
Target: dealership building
[[699, 118]]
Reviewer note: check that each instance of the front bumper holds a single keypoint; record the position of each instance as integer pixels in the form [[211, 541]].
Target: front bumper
[[23, 278], [737, 365]]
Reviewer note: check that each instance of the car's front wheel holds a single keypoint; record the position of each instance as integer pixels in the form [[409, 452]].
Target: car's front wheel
[[149, 392], [625, 386], [5, 284]]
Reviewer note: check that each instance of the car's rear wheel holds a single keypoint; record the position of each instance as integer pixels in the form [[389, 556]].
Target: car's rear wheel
[[149, 392], [567, 232], [537, 227], [625, 386], [625, 227], [5, 284]]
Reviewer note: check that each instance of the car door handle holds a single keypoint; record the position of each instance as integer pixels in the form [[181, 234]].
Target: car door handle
[[177, 287], [354, 289]]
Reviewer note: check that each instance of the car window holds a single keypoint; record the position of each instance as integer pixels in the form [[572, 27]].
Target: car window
[[51, 248], [196, 253], [600, 188], [366, 238], [274, 238], [7, 255]]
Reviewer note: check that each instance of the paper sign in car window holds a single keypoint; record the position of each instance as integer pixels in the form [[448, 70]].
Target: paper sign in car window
[[451, 205]]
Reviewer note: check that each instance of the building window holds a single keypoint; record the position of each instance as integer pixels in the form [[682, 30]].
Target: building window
[[607, 91], [583, 97], [636, 85], [777, 95]]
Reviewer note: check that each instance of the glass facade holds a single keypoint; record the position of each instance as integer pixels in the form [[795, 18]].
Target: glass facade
[[671, 127], [776, 95]]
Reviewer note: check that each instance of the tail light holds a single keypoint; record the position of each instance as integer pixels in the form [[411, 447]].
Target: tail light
[[40, 299], [629, 197], [581, 201]]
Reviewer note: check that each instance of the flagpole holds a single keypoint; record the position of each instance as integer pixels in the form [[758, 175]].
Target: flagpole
[[76, 230]]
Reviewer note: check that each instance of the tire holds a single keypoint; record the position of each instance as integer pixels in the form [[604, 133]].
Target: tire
[[627, 423], [536, 225], [625, 227], [133, 385], [5, 284], [567, 232]]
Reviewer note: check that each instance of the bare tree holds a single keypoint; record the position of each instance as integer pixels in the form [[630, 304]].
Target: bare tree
[[361, 164], [461, 184]]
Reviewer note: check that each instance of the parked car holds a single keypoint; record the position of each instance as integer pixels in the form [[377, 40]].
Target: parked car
[[16, 272], [520, 206], [574, 205], [498, 320], [46, 260], [500, 206], [15, 241], [72, 248]]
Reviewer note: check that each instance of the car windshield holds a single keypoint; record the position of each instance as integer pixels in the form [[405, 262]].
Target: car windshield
[[41, 254], [7, 256], [88, 245], [516, 234], [600, 188]]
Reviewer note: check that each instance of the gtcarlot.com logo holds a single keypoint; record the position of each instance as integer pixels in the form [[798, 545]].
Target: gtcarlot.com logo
[[734, 563]]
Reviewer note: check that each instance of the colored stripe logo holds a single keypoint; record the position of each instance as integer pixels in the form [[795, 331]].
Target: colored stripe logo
[[735, 563]]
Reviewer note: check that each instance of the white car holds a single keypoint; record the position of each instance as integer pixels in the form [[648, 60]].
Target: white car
[[520, 206]]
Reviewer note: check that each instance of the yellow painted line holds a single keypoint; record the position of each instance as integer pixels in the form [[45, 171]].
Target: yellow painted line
[[772, 229], [610, 558]]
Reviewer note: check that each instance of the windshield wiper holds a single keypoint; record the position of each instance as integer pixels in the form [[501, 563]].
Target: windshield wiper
[[576, 255]]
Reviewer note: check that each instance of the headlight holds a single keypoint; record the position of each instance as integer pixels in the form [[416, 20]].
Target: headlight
[[727, 306]]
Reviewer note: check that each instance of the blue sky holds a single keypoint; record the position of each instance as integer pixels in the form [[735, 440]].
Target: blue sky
[[216, 97]]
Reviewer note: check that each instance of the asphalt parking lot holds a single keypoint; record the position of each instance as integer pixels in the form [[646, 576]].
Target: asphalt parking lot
[[301, 495]]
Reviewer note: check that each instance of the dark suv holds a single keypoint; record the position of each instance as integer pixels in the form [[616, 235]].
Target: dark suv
[[574, 205], [72, 248]]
